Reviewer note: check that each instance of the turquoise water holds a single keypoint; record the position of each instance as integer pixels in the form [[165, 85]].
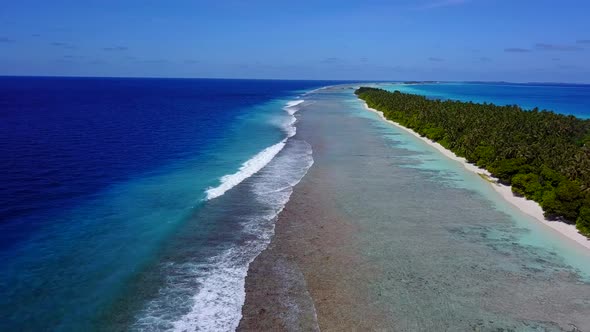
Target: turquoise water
[[561, 98], [138, 204], [571, 99], [452, 173], [106, 208], [122, 228], [445, 251]]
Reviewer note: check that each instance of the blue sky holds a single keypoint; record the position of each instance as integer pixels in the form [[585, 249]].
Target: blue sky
[[512, 40]]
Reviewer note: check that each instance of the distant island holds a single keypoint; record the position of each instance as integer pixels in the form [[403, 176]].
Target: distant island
[[420, 82], [544, 156]]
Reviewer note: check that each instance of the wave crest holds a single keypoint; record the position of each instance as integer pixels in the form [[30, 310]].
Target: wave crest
[[261, 159], [291, 107], [208, 295], [249, 168]]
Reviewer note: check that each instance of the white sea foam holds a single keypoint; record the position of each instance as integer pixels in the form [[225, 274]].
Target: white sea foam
[[317, 90], [294, 103], [208, 295], [291, 107], [249, 168], [217, 306], [289, 126], [261, 159]]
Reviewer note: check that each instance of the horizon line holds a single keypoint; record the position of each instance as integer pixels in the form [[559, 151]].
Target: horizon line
[[289, 79]]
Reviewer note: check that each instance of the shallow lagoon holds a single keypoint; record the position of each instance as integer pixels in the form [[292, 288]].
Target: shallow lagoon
[[448, 252]]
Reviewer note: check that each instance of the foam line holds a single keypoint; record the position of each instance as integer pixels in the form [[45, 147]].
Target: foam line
[[249, 168], [256, 163]]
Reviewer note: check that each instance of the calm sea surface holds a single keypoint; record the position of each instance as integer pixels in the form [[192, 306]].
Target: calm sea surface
[[441, 249], [561, 98]]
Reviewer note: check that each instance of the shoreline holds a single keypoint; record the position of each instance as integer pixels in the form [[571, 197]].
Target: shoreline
[[349, 250], [529, 207]]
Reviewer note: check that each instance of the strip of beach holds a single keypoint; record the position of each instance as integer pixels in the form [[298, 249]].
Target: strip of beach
[[527, 206]]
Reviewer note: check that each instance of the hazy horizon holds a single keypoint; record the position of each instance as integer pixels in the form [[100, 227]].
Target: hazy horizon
[[375, 40], [295, 79]]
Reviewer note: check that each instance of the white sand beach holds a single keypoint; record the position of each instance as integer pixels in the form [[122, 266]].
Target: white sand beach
[[529, 207]]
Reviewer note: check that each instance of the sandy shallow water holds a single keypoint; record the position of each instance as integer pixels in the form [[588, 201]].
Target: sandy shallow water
[[385, 233]]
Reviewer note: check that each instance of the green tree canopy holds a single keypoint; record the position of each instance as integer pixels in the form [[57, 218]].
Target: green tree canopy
[[544, 156]]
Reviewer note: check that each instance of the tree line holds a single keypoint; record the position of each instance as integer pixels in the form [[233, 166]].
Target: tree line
[[544, 156]]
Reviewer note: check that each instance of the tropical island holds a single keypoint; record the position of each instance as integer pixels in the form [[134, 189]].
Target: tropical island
[[542, 155]]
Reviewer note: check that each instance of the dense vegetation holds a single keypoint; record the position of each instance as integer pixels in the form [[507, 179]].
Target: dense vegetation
[[544, 156]]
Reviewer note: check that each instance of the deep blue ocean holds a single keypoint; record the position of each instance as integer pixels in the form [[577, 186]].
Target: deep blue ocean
[[112, 188], [137, 204]]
